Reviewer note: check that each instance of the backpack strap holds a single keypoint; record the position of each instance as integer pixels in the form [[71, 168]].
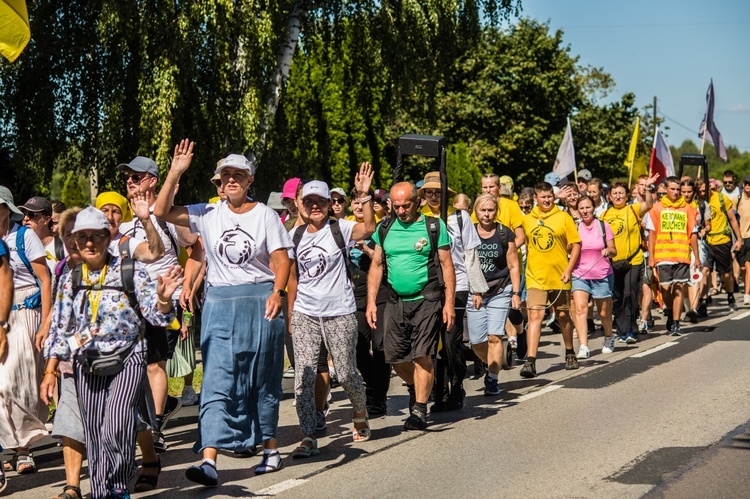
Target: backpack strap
[[123, 248], [460, 220], [433, 231], [297, 237], [339, 238], [163, 225], [35, 300]]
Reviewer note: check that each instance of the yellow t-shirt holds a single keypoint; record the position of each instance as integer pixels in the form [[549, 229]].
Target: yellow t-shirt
[[626, 225], [508, 214], [547, 238], [720, 229]]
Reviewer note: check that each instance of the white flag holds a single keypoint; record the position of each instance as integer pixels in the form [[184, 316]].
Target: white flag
[[565, 162]]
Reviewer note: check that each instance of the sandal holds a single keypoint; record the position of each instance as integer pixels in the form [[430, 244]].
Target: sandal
[[199, 475], [66, 495], [146, 483], [304, 451], [25, 459], [3, 480], [266, 467], [10, 464], [361, 434]]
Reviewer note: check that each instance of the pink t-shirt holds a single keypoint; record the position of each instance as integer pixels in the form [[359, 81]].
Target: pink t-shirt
[[592, 265]]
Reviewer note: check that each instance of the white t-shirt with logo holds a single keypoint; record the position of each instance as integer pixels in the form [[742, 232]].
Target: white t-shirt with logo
[[324, 289], [468, 239], [238, 246], [34, 249]]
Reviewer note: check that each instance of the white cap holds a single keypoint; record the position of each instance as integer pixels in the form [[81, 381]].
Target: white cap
[[90, 219], [236, 161], [316, 187], [339, 191]]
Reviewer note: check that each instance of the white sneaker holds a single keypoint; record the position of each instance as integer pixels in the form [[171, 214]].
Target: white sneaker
[[583, 352], [189, 397], [746, 300], [609, 344]]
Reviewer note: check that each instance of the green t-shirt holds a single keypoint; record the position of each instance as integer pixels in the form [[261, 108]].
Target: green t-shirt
[[407, 265]]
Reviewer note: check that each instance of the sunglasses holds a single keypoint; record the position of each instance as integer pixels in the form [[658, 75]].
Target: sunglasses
[[136, 178], [309, 202], [31, 215], [338, 200], [96, 238], [216, 182], [431, 192]]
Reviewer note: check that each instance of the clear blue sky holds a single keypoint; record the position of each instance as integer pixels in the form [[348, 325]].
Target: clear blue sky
[[665, 48]]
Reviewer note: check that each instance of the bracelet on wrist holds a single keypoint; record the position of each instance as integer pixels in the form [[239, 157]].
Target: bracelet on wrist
[[51, 372], [163, 302], [365, 199]]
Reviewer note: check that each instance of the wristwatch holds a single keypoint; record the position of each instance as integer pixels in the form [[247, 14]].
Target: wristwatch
[[516, 293], [281, 292], [5, 325]]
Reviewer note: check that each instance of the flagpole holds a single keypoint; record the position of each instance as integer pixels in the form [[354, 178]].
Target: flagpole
[[575, 167]]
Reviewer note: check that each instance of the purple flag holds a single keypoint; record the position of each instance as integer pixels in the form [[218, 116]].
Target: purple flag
[[708, 124]]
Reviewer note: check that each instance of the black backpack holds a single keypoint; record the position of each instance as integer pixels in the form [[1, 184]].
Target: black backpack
[[338, 237], [127, 271], [433, 232]]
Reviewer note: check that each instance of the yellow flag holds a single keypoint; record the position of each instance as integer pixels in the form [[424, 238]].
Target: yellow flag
[[636, 161], [15, 32]]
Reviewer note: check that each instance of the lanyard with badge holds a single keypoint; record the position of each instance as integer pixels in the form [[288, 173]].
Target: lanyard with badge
[[94, 298]]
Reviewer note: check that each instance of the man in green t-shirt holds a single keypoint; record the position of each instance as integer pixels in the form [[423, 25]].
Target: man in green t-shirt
[[417, 307]]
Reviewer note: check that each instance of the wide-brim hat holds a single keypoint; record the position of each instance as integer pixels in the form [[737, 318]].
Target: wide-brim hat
[[6, 198], [432, 181]]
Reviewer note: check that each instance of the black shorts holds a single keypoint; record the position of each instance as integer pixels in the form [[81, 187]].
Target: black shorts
[[719, 257], [161, 341], [673, 272], [743, 255], [412, 329]]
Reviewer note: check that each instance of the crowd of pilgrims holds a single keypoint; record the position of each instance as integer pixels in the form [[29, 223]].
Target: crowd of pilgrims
[[100, 306]]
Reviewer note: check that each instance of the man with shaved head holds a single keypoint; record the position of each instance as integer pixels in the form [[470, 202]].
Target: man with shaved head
[[421, 291]]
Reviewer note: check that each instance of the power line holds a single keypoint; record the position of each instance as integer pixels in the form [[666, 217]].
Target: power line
[[692, 130]]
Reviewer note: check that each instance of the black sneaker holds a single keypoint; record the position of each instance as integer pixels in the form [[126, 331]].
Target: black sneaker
[[692, 316], [571, 362], [377, 409], [159, 444], [675, 329], [731, 303], [172, 407], [528, 370], [702, 309], [491, 386], [417, 420]]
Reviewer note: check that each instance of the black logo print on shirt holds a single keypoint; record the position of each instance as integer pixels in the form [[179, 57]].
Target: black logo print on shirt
[[313, 262], [542, 238], [235, 248]]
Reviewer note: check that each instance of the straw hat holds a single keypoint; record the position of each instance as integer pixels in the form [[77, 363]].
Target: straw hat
[[432, 181]]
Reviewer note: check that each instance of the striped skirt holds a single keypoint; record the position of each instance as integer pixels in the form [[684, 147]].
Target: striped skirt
[[22, 413], [243, 360]]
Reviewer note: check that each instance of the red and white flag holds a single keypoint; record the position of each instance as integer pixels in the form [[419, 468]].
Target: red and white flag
[[661, 157]]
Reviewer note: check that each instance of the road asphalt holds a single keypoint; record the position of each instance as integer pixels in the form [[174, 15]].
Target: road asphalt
[[665, 417]]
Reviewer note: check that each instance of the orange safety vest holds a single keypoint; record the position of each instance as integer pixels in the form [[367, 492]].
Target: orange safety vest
[[674, 227]]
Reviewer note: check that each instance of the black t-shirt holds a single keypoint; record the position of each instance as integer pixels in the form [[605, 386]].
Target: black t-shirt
[[492, 256]]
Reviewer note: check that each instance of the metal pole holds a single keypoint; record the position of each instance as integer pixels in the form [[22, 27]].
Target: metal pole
[[443, 186]]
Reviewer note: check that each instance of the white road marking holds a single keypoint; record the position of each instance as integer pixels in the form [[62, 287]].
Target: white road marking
[[741, 316], [655, 349], [280, 487], [546, 389]]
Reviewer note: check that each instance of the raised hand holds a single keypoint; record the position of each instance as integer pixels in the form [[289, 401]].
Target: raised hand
[[652, 179], [183, 156], [140, 206], [363, 179], [168, 282]]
